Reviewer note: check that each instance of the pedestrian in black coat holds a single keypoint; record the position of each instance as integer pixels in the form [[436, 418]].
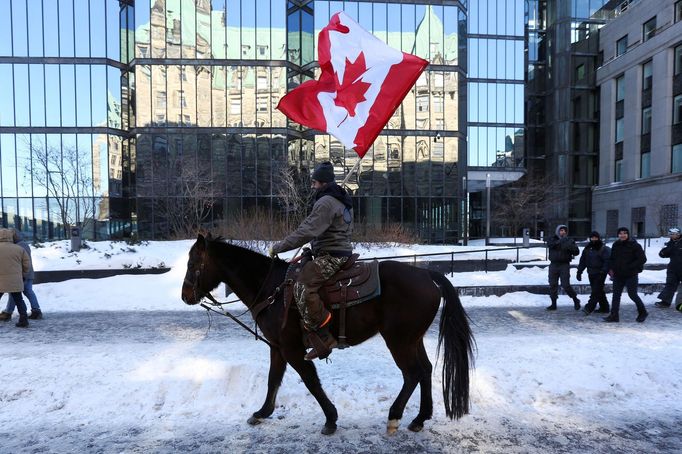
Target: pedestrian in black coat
[[595, 258], [562, 249], [673, 277], [627, 261]]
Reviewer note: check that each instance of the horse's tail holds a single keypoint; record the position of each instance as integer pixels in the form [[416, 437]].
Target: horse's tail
[[458, 349]]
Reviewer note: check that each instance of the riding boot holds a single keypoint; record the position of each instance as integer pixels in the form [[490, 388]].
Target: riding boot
[[322, 342]]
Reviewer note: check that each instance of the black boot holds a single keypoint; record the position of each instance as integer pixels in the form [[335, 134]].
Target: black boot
[[576, 303], [23, 322], [612, 318], [551, 307], [322, 342], [36, 314], [642, 315]]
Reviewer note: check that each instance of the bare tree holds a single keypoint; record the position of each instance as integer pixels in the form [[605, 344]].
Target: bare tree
[[523, 203], [66, 176], [193, 194], [294, 195]]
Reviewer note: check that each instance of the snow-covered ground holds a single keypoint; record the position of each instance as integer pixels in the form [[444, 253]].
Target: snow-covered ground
[[122, 365]]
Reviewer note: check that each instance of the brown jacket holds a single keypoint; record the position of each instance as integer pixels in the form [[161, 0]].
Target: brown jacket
[[14, 262], [324, 227]]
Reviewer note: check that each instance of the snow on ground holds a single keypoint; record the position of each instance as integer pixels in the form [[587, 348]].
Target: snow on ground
[[122, 365]]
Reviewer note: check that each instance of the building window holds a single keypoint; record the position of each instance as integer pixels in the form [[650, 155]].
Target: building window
[[235, 107], [618, 176], [677, 158], [620, 88], [668, 217], [161, 100], [645, 165], [423, 103], [678, 60], [580, 72], [646, 120], [649, 29], [677, 109], [678, 11], [647, 75], [619, 129], [182, 99], [622, 45]]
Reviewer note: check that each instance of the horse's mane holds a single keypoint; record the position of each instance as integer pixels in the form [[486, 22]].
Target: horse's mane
[[224, 244]]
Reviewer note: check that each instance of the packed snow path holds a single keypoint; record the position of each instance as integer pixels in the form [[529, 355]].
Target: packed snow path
[[163, 382]]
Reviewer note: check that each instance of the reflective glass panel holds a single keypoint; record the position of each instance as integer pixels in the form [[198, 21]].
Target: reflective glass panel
[[7, 100], [98, 45], [203, 98], [8, 166], [218, 91], [66, 42], [159, 95], [203, 29], [23, 150], [262, 30], [52, 98], [158, 29], [68, 95], [142, 29], [5, 29], [278, 30], [21, 95], [19, 28], [37, 89], [143, 94], [82, 28], [114, 97], [83, 101], [188, 29], [35, 28], [99, 95], [113, 30], [218, 28], [234, 46]]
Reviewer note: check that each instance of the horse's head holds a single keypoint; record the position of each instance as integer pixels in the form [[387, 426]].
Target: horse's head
[[202, 274]]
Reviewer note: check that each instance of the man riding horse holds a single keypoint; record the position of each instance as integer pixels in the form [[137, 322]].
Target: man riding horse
[[328, 228]]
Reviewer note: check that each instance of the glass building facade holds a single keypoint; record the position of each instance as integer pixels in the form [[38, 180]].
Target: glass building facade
[[115, 111]]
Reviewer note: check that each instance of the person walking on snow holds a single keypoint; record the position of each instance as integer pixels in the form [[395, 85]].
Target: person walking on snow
[[36, 313], [15, 263], [562, 249], [595, 258], [627, 261], [673, 277]]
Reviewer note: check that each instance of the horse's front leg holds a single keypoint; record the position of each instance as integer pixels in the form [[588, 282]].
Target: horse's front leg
[[308, 373], [277, 368]]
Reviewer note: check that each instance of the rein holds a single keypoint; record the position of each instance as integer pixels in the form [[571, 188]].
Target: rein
[[255, 307]]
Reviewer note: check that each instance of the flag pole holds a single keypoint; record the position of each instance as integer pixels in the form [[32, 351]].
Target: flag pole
[[351, 172]]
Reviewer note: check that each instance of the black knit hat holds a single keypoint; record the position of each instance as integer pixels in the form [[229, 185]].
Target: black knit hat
[[623, 229], [324, 173], [595, 234]]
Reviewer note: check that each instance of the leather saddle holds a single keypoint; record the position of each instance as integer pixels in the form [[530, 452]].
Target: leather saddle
[[355, 283]]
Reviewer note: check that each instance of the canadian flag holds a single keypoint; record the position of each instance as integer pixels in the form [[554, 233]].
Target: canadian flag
[[363, 82]]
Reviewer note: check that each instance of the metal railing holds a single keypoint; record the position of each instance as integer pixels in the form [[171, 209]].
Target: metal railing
[[419, 257]]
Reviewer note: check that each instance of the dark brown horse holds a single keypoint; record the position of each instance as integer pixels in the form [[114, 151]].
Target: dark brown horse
[[409, 300]]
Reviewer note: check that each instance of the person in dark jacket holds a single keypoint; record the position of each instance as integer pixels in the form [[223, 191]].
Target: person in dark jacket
[[595, 258], [673, 277], [562, 249], [627, 261], [328, 228]]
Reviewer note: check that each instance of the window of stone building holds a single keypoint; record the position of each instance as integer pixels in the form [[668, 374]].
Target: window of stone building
[[622, 45], [649, 29], [669, 215], [678, 60], [647, 75], [620, 88], [677, 158], [645, 165], [678, 11], [618, 173], [646, 120], [619, 129], [677, 109]]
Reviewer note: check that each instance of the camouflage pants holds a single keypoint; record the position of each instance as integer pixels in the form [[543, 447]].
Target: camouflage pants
[[313, 275]]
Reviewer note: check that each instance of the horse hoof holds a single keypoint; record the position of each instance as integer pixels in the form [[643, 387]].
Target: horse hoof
[[253, 421], [392, 426], [328, 429], [415, 427]]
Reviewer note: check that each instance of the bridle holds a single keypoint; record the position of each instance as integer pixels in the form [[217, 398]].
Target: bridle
[[216, 306]]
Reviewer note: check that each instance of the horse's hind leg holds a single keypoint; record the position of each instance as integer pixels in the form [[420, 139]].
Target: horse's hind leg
[[308, 373], [277, 368], [407, 359], [426, 402]]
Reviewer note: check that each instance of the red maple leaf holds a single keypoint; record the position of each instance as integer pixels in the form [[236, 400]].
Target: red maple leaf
[[352, 90]]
